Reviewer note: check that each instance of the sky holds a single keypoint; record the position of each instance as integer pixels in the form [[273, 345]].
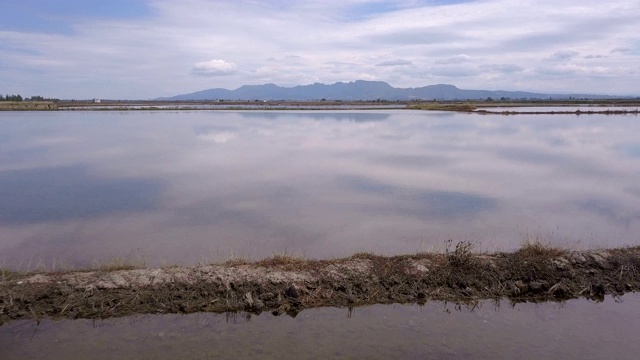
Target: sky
[[143, 49]]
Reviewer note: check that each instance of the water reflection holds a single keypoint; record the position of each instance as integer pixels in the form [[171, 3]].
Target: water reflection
[[585, 108], [39, 195], [622, 215], [419, 203], [197, 186], [575, 329], [319, 116], [631, 150]]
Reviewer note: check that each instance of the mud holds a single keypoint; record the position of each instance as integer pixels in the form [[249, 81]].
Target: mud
[[289, 285]]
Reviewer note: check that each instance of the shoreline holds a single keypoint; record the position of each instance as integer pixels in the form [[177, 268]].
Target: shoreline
[[288, 285], [622, 107]]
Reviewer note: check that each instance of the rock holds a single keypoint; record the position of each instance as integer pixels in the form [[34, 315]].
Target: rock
[[577, 258], [598, 290], [281, 310], [536, 286], [248, 298], [599, 258], [292, 292], [561, 263]]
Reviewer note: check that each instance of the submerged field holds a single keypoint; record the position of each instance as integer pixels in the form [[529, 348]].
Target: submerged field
[[186, 188]]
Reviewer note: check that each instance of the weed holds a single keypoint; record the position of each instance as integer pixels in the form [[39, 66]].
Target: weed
[[122, 263], [7, 275]]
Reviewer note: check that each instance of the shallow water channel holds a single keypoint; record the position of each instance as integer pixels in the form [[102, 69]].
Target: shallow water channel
[[185, 187], [577, 329]]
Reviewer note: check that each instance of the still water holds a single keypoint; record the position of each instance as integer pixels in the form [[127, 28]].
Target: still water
[[577, 329], [187, 187], [565, 108]]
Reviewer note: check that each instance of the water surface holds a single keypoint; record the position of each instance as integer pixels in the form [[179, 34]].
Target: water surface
[[563, 108], [186, 187], [577, 329]]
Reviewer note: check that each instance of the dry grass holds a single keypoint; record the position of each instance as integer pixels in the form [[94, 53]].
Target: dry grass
[[462, 107], [27, 105], [8, 275], [284, 262], [538, 250], [122, 263]]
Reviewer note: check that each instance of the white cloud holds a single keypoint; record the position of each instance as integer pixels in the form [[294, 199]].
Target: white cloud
[[622, 50], [457, 59], [397, 62], [576, 69], [214, 67], [504, 68], [563, 55], [485, 44], [218, 137]]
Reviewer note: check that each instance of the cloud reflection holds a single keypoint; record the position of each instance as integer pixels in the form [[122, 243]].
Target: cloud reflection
[[418, 203], [71, 192], [610, 210], [354, 116], [321, 183]]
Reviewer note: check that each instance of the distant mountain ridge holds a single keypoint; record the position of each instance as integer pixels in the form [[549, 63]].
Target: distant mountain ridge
[[363, 90]]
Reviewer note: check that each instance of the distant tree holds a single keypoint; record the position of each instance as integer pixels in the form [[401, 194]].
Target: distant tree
[[489, 98], [13, 98]]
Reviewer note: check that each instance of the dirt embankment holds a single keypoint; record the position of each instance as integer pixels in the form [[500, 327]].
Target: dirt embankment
[[288, 285]]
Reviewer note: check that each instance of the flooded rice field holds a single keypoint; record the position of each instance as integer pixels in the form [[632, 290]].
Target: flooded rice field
[[585, 108], [577, 329], [188, 187], [238, 106]]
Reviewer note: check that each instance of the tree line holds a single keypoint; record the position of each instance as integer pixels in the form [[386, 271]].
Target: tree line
[[19, 98], [11, 98]]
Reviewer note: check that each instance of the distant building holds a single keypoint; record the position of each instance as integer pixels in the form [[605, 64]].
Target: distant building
[[97, 101]]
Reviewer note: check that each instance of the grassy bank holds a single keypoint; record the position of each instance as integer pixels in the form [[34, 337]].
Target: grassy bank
[[287, 285], [27, 105], [435, 106], [630, 111], [478, 106]]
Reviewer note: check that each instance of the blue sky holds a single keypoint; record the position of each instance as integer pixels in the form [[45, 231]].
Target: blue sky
[[58, 16], [139, 49]]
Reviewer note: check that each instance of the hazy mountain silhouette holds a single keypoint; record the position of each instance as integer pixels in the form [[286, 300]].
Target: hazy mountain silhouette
[[362, 90]]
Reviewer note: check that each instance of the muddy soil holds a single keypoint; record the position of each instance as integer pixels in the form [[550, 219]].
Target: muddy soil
[[288, 285]]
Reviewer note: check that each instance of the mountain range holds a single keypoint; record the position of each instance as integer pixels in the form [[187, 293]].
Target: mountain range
[[364, 90]]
